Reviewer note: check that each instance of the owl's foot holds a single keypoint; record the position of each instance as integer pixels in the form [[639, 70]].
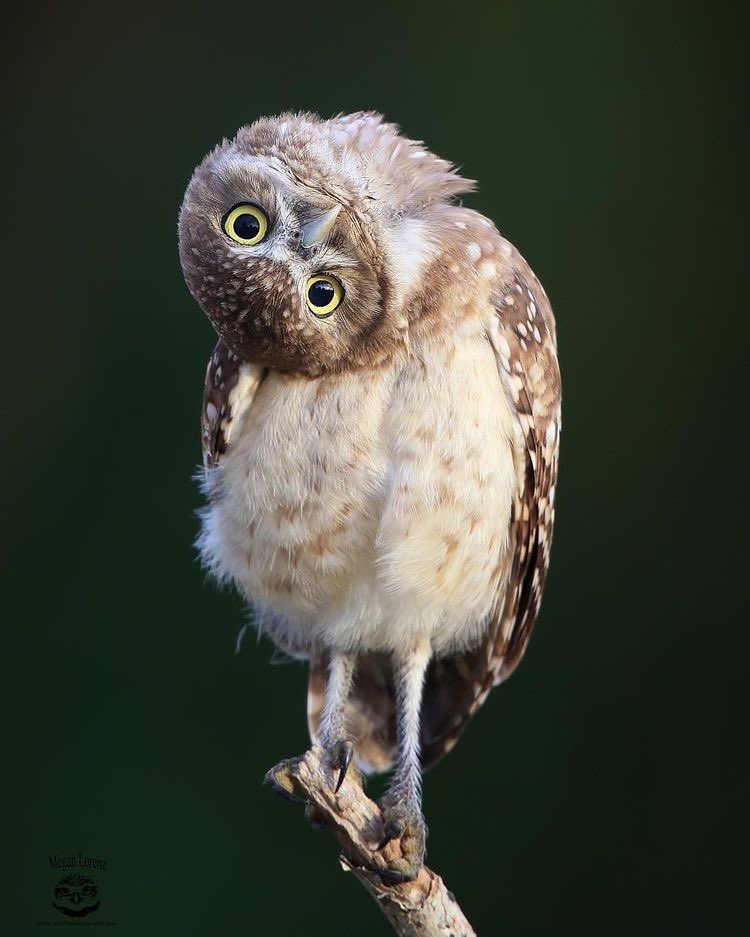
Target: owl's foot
[[402, 821], [338, 757], [280, 780]]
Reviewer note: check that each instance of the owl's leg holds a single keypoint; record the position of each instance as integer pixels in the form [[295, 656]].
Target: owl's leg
[[333, 735], [402, 803]]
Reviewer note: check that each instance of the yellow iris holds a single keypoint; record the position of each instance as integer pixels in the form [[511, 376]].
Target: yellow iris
[[246, 224], [324, 295]]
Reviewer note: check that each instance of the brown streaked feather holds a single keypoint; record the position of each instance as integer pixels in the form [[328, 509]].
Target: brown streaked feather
[[228, 391], [522, 333]]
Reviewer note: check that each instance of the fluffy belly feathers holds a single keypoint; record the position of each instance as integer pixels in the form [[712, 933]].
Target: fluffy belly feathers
[[357, 508]]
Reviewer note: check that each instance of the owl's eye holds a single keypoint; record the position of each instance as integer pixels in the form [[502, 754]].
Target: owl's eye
[[245, 224], [324, 295]]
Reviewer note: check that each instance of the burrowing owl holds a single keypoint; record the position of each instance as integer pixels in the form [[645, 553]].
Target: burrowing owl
[[380, 431]]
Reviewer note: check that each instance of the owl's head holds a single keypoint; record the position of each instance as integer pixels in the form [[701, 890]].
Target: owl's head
[[306, 241]]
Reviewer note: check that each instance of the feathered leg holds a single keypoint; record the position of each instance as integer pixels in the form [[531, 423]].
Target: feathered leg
[[332, 737], [333, 734], [402, 804]]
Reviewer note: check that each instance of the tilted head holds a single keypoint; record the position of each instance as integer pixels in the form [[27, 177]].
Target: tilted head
[[305, 240]]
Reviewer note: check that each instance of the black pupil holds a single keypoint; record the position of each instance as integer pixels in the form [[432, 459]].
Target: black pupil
[[320, 293], [246, 226]]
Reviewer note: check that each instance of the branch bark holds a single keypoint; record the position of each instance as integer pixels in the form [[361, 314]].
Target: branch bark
[[420, 908]]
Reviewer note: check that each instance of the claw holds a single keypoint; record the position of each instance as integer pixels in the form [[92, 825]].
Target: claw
[[391, 831], [392, 877], [281, 784], [285, 794], [343, 758]]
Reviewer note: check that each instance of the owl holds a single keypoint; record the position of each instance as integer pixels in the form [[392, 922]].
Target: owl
[[381, 423]]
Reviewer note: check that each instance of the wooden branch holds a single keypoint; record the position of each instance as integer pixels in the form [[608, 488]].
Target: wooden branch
[[420, 908]]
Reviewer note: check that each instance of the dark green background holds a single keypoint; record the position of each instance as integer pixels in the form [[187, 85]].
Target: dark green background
[[598, 792]]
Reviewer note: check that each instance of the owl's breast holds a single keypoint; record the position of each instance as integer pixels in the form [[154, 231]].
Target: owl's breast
[[354, 508], [298, 497]]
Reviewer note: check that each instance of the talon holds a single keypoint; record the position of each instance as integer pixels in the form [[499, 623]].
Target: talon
[[343, 758], [285, 794], [392, 877], [391, 831], [280, 783]]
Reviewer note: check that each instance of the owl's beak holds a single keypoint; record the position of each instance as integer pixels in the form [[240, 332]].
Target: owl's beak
[[316, 230]]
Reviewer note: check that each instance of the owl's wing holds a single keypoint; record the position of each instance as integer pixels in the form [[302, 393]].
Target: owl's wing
[[228, 392], [525, 343], [522, 333]]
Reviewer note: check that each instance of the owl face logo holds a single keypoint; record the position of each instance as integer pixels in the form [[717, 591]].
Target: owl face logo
[[76, 896]]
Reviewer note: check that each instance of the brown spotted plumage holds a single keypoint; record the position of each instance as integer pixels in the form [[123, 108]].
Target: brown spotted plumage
[[380, 471]]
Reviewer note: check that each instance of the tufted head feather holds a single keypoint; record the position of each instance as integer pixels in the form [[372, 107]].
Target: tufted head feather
[[392, 196]]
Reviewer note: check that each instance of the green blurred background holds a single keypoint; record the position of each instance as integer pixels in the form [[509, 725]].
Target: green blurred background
[[600, 791]]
